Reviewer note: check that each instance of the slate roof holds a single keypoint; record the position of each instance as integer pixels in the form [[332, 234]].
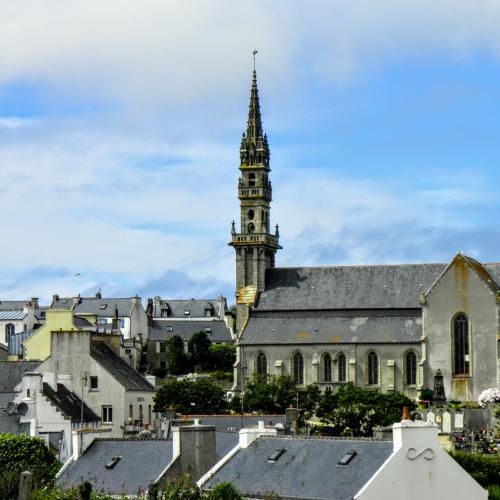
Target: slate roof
[[140, 464], [94, 305], [80, 322], [11, 373], [69, 403], [10, 424], [307, 469], [232, 423], [13, 305], [347, 287], [163, 330], [196, 307], [125, 374], [284, 329]]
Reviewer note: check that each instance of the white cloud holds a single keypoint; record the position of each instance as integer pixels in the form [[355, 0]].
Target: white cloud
[[14, 122]]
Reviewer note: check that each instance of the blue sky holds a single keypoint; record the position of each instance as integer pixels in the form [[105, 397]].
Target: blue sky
[[120, 125]]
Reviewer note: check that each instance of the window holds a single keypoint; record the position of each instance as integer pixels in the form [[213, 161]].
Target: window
[[461, 345], [411, 368], [251, 179], [251, 214], [122, 322], [149, 414], [130, 411], [208, 330], [298, 368], [341, 366], [141, 416], [187, 312], [274, 457], [107, 414], [327, 368], [9, 330], [169, 328], [103, 306], [164, 313], [94, 383], [261, 364], [372, 369], [163, 347], [347, 458]]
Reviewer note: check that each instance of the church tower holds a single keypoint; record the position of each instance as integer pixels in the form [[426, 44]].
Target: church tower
[[254, 244]]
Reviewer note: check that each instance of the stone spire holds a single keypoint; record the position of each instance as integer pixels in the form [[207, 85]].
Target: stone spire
[[254, 148]]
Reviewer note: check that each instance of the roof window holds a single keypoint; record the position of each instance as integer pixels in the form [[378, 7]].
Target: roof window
[[187, 312], [169, 328], [103, 306], [347, 458], [276, 455], [208, 330], [113, 462]]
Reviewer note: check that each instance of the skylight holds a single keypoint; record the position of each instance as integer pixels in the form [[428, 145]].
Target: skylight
[[347, 458], [103, 306], [276, 455], [113, 462]]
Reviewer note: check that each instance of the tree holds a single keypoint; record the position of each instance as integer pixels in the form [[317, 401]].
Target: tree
[[351, 410], [222, 357], [19, 453], [198, 348], [187, 397], [177, 360]]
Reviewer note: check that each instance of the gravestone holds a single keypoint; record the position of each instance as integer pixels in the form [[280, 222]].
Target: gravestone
[[431, 418], [459, 421], [438, 396], [446, 422]]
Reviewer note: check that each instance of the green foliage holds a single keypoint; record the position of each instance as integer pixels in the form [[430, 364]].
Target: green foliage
[[485, 469], [182, 489], [494, 492], [201, 396], [198, 348], [355, 411], [425, 394], [159, 372], [225, 491], [222, 357], [20, 453], [177, 359]]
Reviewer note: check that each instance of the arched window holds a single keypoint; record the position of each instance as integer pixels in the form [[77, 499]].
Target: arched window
[[341, 365], [327, 368], [372, 369], [251, 214], [251, 179], [298, 368], [461, 345], [261, 364], [9, 330], [411, 368]]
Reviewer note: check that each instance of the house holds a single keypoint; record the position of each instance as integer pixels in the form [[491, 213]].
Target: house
[[389, 327], [111, 387], [17, 316], [130, 312], [11, 374], [129, 466], [51, 410], [413, 466], [183, 318]]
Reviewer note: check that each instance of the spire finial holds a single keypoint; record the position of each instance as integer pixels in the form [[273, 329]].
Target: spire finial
[[254, 52]]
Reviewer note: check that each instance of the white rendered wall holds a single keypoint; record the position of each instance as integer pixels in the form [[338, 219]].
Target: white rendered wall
[[420, 469]]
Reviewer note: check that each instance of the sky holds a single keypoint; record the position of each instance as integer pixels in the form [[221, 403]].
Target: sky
[[120, 125]]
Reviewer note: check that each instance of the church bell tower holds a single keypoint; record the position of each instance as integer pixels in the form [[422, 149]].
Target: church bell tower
[[254, 244]]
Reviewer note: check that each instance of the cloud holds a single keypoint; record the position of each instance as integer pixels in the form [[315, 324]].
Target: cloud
[[14, 122]]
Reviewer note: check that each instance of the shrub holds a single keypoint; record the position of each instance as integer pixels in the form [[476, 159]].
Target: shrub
[[225, 491], [20, 453], [485, 469]]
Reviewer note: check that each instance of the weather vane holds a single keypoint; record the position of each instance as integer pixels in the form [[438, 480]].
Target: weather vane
[[254, 54]]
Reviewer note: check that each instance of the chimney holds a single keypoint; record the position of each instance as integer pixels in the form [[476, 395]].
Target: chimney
[[149, 312], [249, 434], [55, 298], [34, 302], [115, 322], [291, 419], [418, 435], [98, 294], [194, 448]]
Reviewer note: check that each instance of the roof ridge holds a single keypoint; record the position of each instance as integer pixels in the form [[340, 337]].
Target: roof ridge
[[361, 265]]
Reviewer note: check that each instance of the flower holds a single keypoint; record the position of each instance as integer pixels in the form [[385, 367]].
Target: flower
[[489, 396]]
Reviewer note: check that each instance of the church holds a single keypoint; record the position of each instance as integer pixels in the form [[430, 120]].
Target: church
[[391, 327]]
